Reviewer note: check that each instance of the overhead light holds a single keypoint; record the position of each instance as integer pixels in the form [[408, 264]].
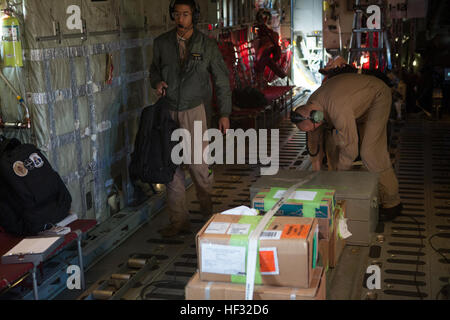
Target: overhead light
[[414, 63]]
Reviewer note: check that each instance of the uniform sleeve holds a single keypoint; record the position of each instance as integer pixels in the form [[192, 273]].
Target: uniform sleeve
[[155, 68], [347, 141], [221, 82]]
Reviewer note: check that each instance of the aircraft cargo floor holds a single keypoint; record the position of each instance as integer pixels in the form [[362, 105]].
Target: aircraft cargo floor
[[411, 268]]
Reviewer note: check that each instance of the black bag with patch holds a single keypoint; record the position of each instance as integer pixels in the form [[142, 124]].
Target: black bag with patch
[[33, 197], [151, 160]]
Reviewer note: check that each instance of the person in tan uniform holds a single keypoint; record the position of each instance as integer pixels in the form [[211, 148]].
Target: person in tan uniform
[[343, 107]]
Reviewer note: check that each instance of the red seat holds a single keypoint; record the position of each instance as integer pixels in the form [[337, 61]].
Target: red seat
[[239, 55], [9, 273], [276, 92]]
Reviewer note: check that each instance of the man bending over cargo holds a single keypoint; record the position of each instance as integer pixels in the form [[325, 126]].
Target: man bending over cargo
[[342, 107], [184, 59]]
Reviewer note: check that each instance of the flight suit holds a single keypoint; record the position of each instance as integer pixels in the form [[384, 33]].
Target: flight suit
[[352, 104], [187, 66]]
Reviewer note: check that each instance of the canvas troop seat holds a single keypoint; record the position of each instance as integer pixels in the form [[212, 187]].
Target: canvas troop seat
[[239, 54]]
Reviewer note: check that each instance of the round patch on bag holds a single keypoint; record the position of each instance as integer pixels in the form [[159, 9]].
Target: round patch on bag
[[19, 169], [38, 162]]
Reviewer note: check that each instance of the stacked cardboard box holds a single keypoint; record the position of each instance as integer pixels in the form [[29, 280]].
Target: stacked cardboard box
[[204, 290], [312, 203], [286, 264], [331, 248], [338, 243], [359, 189]]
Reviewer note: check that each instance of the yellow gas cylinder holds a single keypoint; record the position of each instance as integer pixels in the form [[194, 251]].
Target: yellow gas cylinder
[[11, 45]]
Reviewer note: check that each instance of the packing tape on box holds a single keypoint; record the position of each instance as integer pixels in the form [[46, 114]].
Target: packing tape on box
[[255, 234], [242, 241], [208, 291], [294, 295]]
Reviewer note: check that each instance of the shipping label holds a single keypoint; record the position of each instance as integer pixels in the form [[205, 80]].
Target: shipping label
[[295, 231]]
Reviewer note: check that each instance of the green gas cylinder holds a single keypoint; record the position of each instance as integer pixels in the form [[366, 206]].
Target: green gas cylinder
[[11, 49]]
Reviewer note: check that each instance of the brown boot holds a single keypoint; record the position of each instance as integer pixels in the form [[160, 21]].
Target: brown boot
[[174, 229]]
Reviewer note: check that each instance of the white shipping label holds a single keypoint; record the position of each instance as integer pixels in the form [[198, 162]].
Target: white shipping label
[[297, 195], [217, 228], [270, 235], [344, 233], [239, 229], [222, 259]]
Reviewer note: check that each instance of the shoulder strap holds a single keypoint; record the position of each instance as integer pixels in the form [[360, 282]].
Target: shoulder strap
[[7, 142], [4, 143]]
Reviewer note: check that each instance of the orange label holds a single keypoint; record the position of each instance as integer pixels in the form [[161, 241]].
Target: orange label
[[295, 231], [267, 261]]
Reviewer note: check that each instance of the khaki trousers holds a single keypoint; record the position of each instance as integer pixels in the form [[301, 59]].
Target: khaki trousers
[[374, 153], [203, 181]]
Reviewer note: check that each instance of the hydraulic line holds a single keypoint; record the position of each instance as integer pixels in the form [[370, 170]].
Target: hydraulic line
[[26, 124]]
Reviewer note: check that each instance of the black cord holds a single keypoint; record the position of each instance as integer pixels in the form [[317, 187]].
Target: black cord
[[431, 245], [418, 257], [445, 259], [318, 146]]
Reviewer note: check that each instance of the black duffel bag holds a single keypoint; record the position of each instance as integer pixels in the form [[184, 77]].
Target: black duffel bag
[[151, 160], [33, 197]]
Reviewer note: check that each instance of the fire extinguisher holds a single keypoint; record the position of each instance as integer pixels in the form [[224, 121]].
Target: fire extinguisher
[[11, 48]]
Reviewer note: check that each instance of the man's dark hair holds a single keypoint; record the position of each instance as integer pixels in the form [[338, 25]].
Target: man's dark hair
[[194, 8], [190, 3]]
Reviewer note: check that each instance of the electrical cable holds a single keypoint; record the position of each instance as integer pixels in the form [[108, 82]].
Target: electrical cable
[[309, 151], [420, 250], [445, 259], [418, 257]]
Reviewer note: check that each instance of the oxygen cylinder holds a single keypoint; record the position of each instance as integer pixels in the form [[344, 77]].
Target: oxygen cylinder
[[11, 48]]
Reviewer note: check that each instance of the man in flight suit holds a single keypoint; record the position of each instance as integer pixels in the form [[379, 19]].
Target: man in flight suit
[[184, 59], [351, 104]]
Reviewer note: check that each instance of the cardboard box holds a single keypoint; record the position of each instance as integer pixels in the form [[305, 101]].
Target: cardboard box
[[201, 290], [359, 189], [324, 253], [331, 249], [337, 244], [288, 250], [311, 203], [326, 226], [308, 203]]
